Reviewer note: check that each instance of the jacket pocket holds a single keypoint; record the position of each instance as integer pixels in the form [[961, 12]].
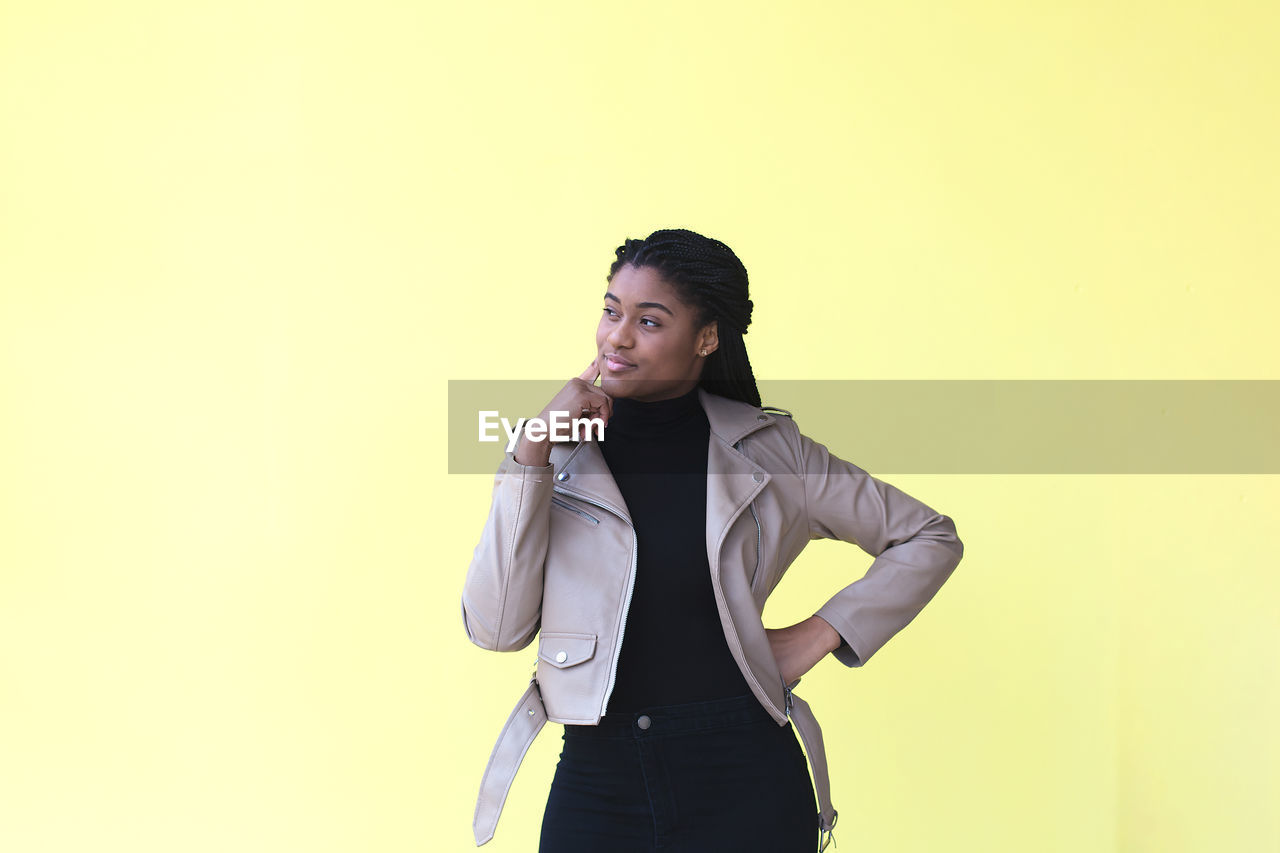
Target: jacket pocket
[[564, 650], [568, 507]]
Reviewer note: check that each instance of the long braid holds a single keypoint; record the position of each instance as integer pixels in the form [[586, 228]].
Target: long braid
[[708, 275]]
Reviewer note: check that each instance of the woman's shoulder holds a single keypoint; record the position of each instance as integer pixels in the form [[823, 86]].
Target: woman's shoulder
[[734, 419], [739, 407]]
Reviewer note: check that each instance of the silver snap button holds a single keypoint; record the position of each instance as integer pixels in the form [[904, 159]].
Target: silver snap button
[[562, 656], [644, 722], [563, 475], [757, 476], [530, 712]]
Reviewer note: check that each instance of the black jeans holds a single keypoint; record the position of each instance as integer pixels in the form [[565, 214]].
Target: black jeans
[[715, 775]]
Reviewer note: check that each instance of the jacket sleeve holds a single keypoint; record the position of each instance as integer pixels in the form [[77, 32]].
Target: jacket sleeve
[[502, 594], [915, 548]]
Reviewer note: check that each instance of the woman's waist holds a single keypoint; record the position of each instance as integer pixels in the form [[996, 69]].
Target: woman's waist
[[677, 718]]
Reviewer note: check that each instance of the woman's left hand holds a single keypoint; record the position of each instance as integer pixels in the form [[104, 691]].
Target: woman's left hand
[[799, 647]]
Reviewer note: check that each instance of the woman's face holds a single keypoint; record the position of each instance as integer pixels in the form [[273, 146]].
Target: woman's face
[[647, 342]]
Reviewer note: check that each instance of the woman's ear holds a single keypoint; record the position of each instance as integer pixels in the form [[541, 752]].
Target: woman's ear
[[709, 338]]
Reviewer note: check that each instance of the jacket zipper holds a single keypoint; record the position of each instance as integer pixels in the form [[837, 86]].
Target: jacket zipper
[[736, 647], [626, 607], [756, 571], [572, 508], [752, 506]]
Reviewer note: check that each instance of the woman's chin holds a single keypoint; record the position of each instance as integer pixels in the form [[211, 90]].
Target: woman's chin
[[617, 386]]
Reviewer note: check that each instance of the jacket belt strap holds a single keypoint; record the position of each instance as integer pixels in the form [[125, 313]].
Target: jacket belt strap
[[522, 726], [811, 736]]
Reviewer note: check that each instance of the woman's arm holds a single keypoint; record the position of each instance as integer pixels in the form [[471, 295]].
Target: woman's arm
[[798, 648], [915, 547], [502, 594]]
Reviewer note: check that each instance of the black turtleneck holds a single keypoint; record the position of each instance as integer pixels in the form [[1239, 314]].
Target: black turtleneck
[[673, 646]]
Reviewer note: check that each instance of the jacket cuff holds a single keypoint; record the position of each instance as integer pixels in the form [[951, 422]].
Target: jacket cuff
[[528, 473], [851, 651]]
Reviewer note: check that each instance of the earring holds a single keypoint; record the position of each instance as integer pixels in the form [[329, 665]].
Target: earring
[[704, 351]]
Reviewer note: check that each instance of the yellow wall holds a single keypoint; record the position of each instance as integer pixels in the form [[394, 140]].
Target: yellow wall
[[245, 245]]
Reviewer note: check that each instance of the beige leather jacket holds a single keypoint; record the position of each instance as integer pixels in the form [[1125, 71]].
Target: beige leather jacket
[[557, 559]]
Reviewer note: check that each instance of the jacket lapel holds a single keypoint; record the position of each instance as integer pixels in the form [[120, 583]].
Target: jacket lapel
[[588, 475], [733, 480]]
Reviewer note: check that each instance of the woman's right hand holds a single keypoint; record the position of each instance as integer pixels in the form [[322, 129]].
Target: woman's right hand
[[580, 398]]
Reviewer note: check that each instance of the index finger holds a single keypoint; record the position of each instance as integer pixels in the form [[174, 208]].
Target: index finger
[[591, 373]]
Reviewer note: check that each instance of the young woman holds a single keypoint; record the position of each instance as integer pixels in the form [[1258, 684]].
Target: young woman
[[642, 562]]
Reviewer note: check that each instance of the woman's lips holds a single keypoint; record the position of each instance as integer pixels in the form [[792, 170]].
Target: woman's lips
[[616, 366]]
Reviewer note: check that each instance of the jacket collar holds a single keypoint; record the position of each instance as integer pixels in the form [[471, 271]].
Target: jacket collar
[[733, 480], [732, 419]]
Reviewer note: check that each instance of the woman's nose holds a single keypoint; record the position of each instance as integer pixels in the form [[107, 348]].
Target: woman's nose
[[619, 337]]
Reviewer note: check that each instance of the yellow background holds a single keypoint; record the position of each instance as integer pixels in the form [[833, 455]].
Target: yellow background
[[244, 245]]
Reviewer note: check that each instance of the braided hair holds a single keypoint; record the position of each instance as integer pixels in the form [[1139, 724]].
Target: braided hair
[[707, 275]]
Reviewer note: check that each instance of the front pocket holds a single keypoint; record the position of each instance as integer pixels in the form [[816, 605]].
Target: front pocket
[[561, 649], [568, 507]]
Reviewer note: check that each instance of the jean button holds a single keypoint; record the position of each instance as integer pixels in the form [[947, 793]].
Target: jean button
[[644, 722]]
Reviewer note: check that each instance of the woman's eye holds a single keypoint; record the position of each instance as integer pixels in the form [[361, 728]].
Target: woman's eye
[[609, 311]]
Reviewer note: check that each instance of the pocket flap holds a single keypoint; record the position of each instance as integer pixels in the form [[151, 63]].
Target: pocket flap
[[561, 649]]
